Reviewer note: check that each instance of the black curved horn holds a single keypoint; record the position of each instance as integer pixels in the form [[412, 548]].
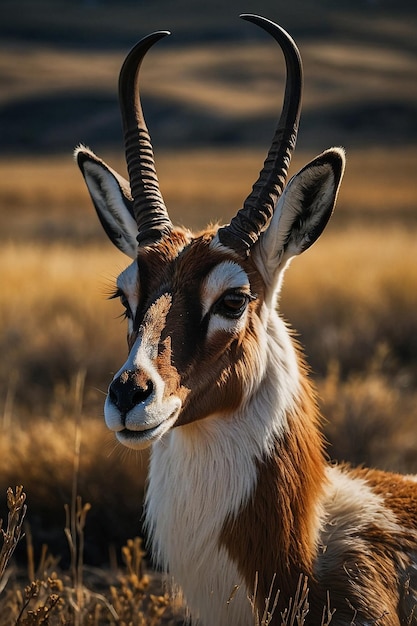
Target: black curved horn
[[148, 205], [245, 228]]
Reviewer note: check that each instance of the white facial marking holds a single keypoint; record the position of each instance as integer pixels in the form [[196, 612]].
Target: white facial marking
[[227, 275], [149, 419], [127, 282]]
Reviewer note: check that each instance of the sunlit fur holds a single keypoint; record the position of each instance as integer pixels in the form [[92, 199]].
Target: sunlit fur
[[239, 490], [241, 496]]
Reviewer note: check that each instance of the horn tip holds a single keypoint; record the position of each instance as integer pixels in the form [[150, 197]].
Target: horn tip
[[156, 36], [254, 18], [251, 17]]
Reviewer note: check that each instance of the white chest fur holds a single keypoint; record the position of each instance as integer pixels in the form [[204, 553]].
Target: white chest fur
[[187, 505]]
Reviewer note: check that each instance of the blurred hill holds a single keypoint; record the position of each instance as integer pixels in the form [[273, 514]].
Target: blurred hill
[[217, 81]]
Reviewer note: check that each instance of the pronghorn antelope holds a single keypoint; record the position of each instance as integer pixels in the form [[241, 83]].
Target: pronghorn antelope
[[240, 495]]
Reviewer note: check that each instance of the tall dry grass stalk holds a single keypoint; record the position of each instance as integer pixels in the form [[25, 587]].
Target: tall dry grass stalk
[[270, 605], [12, 534], [76, 513]]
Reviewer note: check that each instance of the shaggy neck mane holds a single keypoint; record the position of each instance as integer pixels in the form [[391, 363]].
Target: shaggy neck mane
[[273, 539]]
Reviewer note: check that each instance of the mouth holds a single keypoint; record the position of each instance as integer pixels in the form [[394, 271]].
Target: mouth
[[141, 439]]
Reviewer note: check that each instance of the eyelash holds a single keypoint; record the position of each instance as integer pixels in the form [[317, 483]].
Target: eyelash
[[118, 293]]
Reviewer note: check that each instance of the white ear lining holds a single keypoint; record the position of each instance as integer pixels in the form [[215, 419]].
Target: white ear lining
[[309, 212], [301, 214], [108, 198]]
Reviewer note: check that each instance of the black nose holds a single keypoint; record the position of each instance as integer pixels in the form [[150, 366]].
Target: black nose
[[128, 390]]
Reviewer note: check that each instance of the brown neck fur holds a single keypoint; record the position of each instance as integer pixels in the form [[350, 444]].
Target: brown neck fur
[[273, 538]]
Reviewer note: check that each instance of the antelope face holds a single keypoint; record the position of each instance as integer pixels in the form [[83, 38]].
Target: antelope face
[[198, 308], [192, 324]]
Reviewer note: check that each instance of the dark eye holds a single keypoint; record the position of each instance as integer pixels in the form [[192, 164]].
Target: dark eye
[[232, 304]]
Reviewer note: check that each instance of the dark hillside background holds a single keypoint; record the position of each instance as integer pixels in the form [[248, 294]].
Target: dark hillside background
[[46, 105]]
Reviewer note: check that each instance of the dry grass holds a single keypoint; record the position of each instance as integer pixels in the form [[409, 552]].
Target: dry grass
[[11, 535], [351, 297], [54, 305], [353, 292], [126, 597], [370, 420], [39, 195]]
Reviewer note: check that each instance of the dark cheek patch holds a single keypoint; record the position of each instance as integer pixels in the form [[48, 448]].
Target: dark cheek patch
[[185, 330], [217, 380]]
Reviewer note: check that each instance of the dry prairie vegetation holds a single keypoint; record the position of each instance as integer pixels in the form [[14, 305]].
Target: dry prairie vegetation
[[351, 298]]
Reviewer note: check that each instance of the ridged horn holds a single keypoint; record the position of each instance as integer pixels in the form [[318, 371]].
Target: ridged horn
[[148, 205], [245, 228]]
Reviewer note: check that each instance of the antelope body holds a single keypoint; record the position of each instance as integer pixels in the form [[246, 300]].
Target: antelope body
[[241, 501]]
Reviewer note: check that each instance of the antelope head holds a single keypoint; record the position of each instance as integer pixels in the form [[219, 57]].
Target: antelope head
[[199, 307]]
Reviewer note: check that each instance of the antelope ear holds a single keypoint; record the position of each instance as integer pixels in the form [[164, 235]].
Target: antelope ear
[[302, 212], [112, 200]]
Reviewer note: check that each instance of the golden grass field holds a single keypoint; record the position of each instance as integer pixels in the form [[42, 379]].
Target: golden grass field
[[351, 298]]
